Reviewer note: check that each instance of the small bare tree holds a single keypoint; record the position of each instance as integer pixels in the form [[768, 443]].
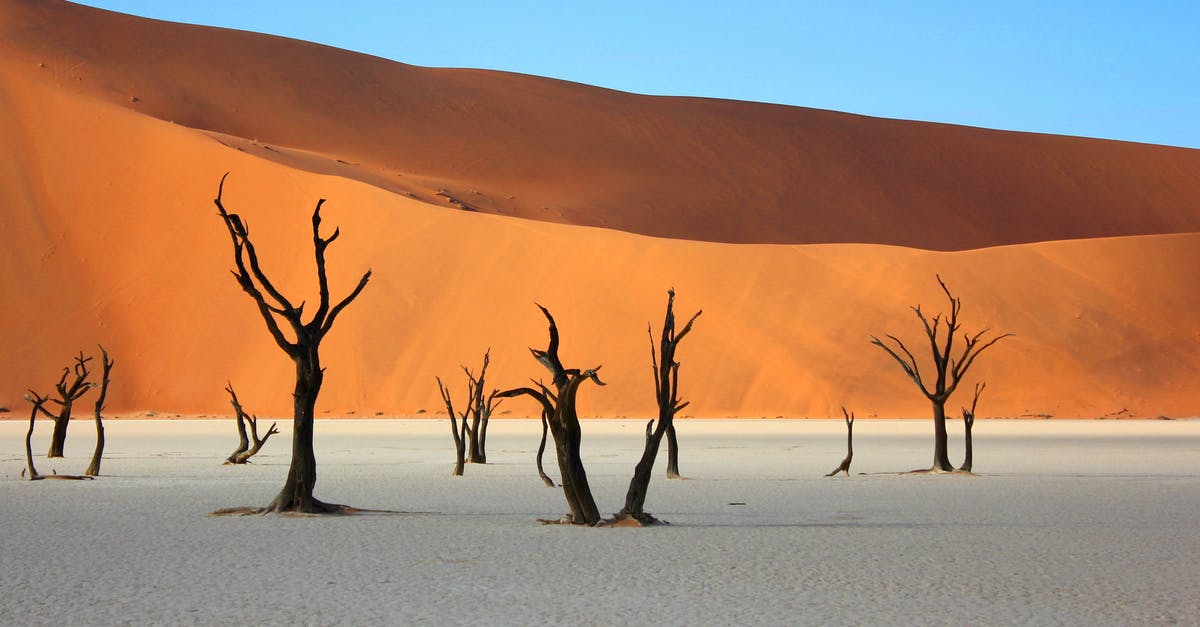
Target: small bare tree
[[248, 446], [68, 393], [948, 369], [93, 468], [845, 465], [559, 414], [457, 430], [38, 402], [302, 348], [968, 423], [666, 387]]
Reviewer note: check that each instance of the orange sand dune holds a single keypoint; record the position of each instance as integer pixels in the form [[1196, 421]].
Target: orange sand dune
[[560, 152], [109, 235]]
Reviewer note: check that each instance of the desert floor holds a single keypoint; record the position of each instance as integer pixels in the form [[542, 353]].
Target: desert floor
[[1078, 522]]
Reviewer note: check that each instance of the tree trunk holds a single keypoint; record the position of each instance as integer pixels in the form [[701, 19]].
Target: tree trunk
[[967, 459], [474, 451], [941, 457], [672, 453], [635, 498], [37, 406], [570, 464], [58, 439], [93, 468], [297, 492]]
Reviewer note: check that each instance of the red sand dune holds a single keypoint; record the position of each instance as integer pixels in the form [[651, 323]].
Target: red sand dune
[[784, 225]]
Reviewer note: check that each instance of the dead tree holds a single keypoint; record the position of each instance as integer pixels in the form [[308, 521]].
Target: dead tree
[[480, 410], [666, 387], [845, 465], [38, 403], [470, 436], [302, 348], [93, 468], [558, 407], [68, 393], [948, 369], [247, 446], [968, 422], [457, 430]]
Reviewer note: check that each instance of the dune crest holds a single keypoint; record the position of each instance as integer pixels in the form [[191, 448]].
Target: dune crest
[[109, 235]]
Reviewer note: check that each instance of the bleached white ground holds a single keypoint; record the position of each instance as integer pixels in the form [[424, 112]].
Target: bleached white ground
[[1077, 522]]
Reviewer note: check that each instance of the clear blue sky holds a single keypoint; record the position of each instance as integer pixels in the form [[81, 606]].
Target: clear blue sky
[[1114, 69]]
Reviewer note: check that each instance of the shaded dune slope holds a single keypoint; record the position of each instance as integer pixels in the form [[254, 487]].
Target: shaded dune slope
[[550, 150], [108, 234]]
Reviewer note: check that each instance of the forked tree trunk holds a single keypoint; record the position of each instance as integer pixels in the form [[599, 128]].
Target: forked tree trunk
[[845, 465], [666, 384], [93, 468], [563, 424], [67, 395], [248, 446], [968, 423], [58, 436]]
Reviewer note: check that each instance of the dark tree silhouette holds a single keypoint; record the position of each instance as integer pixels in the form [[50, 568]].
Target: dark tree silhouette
[[562, 420], [845, 465], [93, 468], [297, 492], [948, 369], [247, 446], [666, 387], [457, 431], [38, 402], [470, 437], [68, 393], [968, 423]]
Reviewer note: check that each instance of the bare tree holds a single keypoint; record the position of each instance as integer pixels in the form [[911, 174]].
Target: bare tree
[[968, 423], [470, 437], [666, 387], [247, 446], [457, 430], [93, 468], [68, 393], [948, 369], [845, 465], [38, 403], [302, 348], [559, 414]]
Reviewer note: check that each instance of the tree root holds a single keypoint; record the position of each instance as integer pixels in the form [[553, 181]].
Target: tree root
[[623, 519], [330, 510], [938, 471]]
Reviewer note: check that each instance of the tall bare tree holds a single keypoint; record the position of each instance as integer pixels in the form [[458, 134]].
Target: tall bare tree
[[948, 369], [248, 445], [302, 347], [558, 410], [38, 402], [93, 468], [666, 387], [68, 393], [968, 423], [845, 465]]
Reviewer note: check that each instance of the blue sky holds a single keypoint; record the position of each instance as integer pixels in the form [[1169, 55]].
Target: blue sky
[[1117, 70]]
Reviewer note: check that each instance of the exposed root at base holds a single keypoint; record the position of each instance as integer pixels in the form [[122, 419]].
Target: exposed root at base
[[938, 471], [626, 520], [63, 477], [329, 510]]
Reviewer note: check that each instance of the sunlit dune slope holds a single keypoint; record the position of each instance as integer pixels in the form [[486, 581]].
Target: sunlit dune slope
[[554, 151], [108, 234]]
